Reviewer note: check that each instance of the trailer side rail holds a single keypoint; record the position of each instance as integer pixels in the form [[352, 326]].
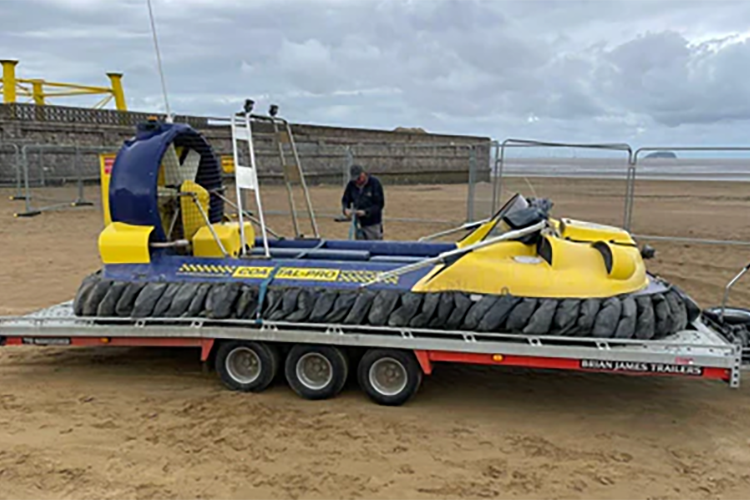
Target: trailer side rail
[[696, 353]]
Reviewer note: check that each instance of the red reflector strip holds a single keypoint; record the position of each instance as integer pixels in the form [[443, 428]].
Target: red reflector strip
[[620, 367]]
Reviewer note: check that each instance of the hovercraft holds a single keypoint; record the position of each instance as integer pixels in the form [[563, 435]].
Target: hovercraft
[[169, 251]]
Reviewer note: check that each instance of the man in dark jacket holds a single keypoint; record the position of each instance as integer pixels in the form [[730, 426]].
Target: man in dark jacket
[[364, 199]]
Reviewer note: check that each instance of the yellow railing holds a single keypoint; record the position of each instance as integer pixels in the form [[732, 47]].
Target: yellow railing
[[39, 90]]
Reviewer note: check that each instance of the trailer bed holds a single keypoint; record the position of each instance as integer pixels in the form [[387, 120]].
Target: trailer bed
[[697, 353]]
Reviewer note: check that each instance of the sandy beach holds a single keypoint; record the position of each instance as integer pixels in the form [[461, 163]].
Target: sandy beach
[[149, 423]]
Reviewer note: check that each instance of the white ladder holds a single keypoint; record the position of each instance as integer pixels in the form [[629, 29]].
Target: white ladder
[[292, 171], [246, 177]]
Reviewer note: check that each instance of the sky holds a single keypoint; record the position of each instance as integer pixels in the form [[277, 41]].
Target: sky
[[641, 72]]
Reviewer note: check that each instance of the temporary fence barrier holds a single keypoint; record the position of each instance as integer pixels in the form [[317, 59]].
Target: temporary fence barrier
[[636, 168], [78, 164], [17, 180], [497, 184]]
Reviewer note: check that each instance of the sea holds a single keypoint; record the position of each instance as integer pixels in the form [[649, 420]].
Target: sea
[[725, 169]]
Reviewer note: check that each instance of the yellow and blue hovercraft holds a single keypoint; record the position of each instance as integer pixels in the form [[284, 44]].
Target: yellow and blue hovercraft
[[168, 251]]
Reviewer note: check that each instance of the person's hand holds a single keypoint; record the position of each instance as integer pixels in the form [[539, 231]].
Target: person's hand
[[360, 213], [347, 212]]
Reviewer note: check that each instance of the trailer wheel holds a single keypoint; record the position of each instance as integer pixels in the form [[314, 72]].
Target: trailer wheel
[[316, 372], [247, 366], [389, 376]]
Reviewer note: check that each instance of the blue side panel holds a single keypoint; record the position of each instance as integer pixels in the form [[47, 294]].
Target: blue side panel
[[289, 272], [316, 254], [401, 248], [374, 248], [133, 185], [303, 243], [132, 188]]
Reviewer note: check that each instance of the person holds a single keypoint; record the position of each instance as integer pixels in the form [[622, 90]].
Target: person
[[364, 199]]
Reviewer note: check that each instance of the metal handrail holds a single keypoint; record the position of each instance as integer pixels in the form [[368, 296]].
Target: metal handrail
[[728, 288], [614, 146]]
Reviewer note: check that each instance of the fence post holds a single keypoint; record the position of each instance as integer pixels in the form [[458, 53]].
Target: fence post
[[629, 194], [497, 186], [17, 168], [30, 212], [348, 164], [494, 149], [472, 184], [80, 200], [40, 158], [16, 162]]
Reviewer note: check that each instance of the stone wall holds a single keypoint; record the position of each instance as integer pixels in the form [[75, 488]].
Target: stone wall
[[72, 138]]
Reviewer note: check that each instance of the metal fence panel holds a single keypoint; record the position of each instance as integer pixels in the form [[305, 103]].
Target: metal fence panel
[[609, 164], [46, 165], [10, 154], [703, 170], [636, 169]]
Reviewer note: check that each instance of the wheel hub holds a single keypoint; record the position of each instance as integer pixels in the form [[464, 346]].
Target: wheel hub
[[388, 376], [314, 371], [243, 365]]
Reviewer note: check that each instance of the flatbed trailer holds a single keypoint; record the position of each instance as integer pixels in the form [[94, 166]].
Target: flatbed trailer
[[315, 358]]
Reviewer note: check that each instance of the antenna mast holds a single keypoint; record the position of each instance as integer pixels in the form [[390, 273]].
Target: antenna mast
[[158, 62]]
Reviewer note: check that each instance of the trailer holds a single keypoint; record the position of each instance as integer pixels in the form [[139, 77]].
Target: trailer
[[522, 289], [316, 359]]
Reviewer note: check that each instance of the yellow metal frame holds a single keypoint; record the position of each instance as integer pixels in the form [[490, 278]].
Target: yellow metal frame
[[122, 243], [39, 90], [205, 245], [106, 161]]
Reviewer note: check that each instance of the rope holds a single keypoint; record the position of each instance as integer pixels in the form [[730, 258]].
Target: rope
[[262, 293]]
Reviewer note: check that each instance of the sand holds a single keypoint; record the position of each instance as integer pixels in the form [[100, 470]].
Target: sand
[[149, 423]]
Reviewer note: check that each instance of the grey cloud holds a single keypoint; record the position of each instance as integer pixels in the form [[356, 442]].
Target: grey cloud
[[581, 70], [662, 76]]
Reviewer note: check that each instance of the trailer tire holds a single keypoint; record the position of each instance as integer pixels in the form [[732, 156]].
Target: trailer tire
[[95, 296], [645, 323], [540, 322], [182, 299], [409, 307], [323, 305], [498, 315], [107, 306], [564, 322], [382, 307], [478, 310], [146, 301], [247, 303], [429, 305], [165, 301], [461, 305], [288, 305], [126, 302], [678, 310], [521, 314], [390, 377], [305, 304], [247, 366], [342, 306], [84, 290], [316, 371], [444, 309]]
